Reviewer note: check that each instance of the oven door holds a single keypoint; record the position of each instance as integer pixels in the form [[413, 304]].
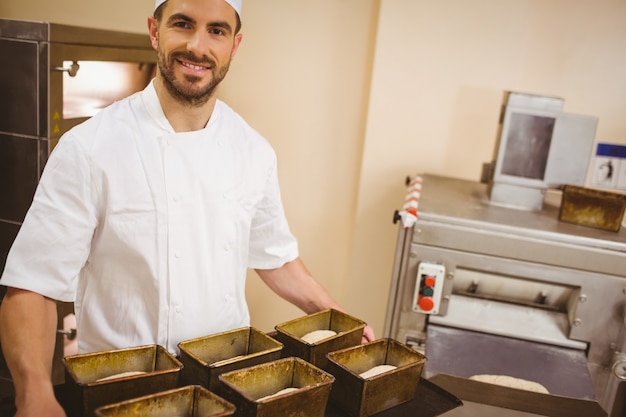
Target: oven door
[[87, 78]]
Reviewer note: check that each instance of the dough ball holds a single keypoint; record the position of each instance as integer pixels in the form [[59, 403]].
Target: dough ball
[[223, 361], [281, 392], [318, 335], [120, 375], [377, 370], [511, 382]]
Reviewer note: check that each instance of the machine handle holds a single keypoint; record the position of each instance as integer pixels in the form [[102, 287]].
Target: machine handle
[[72, 70], [619, 359], [619, 366], [70, 334]]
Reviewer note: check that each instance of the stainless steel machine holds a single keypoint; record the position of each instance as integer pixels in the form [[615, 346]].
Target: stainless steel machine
[[481, 288], [54, 77]]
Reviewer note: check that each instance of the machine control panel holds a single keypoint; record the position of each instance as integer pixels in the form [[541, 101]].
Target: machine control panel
[[428, 287]]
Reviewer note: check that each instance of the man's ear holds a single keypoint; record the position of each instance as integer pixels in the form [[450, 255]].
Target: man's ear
[[238, 38], [153, 31]]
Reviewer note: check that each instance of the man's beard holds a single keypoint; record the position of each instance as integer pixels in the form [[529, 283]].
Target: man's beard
[[187, 91]]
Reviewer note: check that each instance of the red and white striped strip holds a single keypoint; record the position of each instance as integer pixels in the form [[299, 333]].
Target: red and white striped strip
[[411, 202]]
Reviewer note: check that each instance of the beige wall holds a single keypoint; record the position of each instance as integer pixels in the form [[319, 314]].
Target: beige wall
[[356, 94], [124, 15], [302, 79]]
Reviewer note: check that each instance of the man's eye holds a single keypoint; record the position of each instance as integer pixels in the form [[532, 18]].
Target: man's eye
[[216, 31], [181, 25]]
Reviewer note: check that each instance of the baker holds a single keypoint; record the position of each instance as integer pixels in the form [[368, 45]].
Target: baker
[[148, 215]]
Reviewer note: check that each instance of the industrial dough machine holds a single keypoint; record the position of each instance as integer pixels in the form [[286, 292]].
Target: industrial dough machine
[[485, 289]]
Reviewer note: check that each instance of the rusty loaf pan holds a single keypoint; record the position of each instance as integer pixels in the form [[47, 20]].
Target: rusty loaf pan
[[359, 396], [83, 373], [205, 358], [189, 401], [249, 388], [593, 208], [349, 333]]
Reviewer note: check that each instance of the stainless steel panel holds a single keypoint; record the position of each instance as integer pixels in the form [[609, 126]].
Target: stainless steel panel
[[464, 353], [464, 206]]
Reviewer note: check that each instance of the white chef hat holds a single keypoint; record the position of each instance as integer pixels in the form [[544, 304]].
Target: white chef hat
[[236, 4]]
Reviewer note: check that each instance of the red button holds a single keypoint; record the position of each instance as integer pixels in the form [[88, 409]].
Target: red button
[[429, 281], [426, 303]]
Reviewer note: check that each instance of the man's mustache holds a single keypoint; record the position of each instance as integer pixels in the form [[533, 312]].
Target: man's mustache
[[187, 56]]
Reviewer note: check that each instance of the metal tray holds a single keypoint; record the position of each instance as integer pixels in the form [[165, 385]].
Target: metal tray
[[349, 333], [246, 388], [361, 397], [526, 402], [84, 393], [189, 401], [593, 208], [205, 358]]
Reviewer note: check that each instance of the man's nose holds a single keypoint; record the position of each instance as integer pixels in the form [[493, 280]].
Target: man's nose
[[198, 43]]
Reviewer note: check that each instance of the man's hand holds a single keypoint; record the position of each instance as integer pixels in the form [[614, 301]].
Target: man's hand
[[38, 400], [368, 334], [48, 407], [28, 331]]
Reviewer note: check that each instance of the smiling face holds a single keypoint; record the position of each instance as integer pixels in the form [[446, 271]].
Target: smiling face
[[195, 41]]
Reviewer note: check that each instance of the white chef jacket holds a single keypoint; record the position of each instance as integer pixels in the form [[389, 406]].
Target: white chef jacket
[[149, 231]]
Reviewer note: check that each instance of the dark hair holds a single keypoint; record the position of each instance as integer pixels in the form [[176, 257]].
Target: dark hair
[[158, 14]]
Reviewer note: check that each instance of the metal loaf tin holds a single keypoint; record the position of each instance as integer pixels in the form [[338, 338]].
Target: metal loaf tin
[[360, 397], [82, 372], [592, 208], [189, 401], [246, 388], [205, 358], [349, 333]]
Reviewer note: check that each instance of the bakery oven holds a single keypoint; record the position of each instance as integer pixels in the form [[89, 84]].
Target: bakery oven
[[54, 77], [488, 291]]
